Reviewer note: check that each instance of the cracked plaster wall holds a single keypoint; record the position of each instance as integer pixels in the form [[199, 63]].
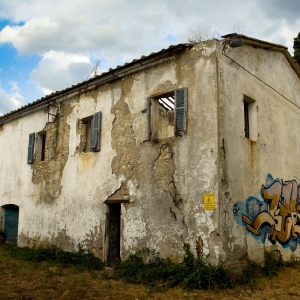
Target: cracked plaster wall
[[166, 180], [61, 200]]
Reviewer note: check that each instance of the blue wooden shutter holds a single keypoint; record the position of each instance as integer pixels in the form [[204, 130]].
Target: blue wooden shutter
[[180, 111], [30, 148], [96, 132], [149, 117]]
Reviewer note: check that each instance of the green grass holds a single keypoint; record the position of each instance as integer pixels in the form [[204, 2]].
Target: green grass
[[194, 273], [82, 259]]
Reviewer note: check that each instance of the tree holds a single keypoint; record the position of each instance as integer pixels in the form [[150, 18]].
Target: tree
[[297, 49]]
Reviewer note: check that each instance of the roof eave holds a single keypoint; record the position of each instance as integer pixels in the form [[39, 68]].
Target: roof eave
[[267, 46], [118, 72]]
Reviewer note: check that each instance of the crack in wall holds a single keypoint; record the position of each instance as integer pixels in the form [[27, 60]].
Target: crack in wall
[[164, 168], [173, 214]]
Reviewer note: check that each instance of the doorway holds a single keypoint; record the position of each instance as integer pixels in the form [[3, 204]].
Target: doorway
[[11, 221], [113, 233]]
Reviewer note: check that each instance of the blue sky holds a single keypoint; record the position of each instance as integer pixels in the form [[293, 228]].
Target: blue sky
[[15, 67], [47, 46]]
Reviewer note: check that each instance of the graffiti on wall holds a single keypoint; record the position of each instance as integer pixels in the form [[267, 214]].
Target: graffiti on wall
[[277, 216]]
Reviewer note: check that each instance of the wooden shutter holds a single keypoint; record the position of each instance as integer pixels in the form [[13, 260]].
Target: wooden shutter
[[180, 111], [149, 117], [30, 148], [96, 132]]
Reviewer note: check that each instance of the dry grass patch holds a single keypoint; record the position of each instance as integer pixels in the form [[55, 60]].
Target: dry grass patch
[[23, 279]]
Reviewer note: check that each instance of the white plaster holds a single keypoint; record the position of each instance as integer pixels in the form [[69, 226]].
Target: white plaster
[[134, 230], [216, 88]]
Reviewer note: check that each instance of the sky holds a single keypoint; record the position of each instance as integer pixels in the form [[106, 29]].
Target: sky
[[46, 46]]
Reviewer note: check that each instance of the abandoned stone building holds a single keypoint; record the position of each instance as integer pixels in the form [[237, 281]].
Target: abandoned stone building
[[197, 142]]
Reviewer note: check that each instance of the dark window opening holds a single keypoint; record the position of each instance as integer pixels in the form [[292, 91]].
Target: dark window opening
[[43, 147], [40, 146], [88, 131], [246, 119]]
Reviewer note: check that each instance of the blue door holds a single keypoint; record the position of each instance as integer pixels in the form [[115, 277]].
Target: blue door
[[11, 223]]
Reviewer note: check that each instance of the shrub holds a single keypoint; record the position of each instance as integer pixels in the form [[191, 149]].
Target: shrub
[[192, 273]]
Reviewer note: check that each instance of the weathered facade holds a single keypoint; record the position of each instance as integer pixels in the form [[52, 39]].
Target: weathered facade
[[135, 157]]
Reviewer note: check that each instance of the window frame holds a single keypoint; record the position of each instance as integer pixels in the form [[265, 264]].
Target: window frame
[[180, 97]]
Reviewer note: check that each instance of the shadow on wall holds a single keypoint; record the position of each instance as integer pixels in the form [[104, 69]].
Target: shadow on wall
[[274, 215]]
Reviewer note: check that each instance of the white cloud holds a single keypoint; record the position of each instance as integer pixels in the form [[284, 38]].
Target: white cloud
[[10, 100], [58, 70], [121, 27], [68, 34]]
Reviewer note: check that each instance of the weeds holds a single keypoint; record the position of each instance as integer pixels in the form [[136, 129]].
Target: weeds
[[146, 267], [192, 273], [82, 259], [272, 264]]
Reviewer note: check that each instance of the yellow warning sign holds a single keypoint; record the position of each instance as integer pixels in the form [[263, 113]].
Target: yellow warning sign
[[209, 201]]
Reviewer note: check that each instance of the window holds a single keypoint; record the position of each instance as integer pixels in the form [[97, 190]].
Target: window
[[166, 114], [90, 133], [37, 146], [250, 119], [40, 145], [85, 127]]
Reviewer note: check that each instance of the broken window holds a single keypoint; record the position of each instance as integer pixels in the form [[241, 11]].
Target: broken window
[[166, 114], [90, 133], [250, 118]]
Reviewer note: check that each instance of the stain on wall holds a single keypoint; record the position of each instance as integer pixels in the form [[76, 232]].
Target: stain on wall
[[277, 216]]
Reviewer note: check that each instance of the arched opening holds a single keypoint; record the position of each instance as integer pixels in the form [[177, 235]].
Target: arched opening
[[11, 221]]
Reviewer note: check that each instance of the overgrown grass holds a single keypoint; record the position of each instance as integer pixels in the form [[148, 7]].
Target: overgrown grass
[[49, 279], [82, 259], [194, 273], [146, 267]]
